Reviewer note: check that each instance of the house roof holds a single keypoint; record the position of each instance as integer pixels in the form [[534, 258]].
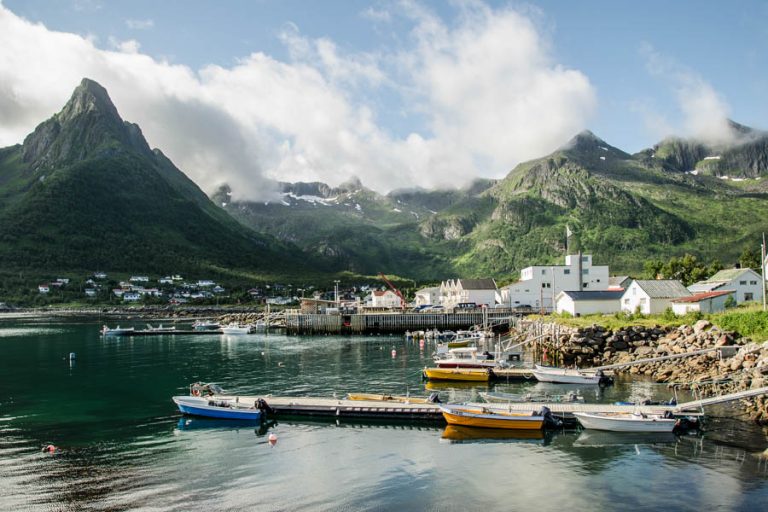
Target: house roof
[[728, 274], [433, 289], [705, 286], [594, 295], [703, 296], [381, 293], [663, 288], [478, 284], [617, 280]]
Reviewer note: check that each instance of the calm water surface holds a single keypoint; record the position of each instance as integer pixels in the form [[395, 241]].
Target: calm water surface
[[124, 446]]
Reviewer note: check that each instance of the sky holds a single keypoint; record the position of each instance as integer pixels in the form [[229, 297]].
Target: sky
[[398, 93]]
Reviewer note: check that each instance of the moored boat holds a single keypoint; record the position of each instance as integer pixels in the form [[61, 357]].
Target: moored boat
[[626, 422], [236, 329], [117, 331], [217, 408], [393, 398], [466, 357], [205, 325], [470, 416], [569, 376], [160, 328], [460, 374], [496, 397]]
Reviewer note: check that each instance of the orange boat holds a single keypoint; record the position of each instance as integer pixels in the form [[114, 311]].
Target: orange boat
[[473, 416]]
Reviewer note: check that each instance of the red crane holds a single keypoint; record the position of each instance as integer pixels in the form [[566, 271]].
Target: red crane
[[395, 290]]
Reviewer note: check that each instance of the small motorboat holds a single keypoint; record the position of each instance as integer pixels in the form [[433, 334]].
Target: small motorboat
[[472, 416], [234, 328], [495, 397], [160, 328], [461, 374], [431, 399], [205, 325], [211, 407], [626, 422], [466, 357], [117, 331], [570, 376]]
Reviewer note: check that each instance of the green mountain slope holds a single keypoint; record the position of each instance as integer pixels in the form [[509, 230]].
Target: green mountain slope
[[84, 191]]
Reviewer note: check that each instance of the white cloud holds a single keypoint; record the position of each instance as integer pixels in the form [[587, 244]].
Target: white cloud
[[704, 114], [140, 24], [485, 87]]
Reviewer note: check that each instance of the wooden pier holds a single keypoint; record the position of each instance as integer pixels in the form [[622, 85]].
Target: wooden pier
[[301, 323]]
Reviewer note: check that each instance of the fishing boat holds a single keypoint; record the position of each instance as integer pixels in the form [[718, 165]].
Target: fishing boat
[[394, 398], [465, 358], [117, 331], [460, 374], [234, 328], [459, 434], [569, 376], [496, 397], [160, 328], [626, 422], [205, 325], [217, 408], [471, 416]]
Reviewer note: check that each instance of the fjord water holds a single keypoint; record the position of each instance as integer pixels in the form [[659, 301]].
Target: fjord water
[[124, 446]]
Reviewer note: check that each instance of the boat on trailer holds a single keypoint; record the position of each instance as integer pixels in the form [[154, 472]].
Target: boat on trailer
[[570, 376], [472, 416], [626, 422]]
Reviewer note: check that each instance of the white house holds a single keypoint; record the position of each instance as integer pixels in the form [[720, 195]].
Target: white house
[[139, 279], [427, 296], [204, 283], [118, 292], [704, 302], [384, 299], [652, 296], [43, 288], [589, 302], [90, 292], [468, 291], [744, 282], [540, 284], [131, 296], [100, 275], [165, 280]]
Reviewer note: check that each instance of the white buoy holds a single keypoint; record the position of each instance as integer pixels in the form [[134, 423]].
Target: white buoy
[[72, 356], [394, 353]]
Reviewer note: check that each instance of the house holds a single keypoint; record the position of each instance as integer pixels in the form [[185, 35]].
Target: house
[[466, 291], [619, 282], [385, 299], [90, 292], [589, 302], [139, 279], [118, 292], [177, 277], [744, 282], [44, 288], [204, 283], [218, 289], [427, 296], [652, 296], [703, 302], [62, 280], [100, 275], [165, 280], [539, 285], [131, 296]]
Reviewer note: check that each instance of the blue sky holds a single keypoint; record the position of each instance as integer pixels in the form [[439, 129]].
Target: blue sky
[[398, 77]]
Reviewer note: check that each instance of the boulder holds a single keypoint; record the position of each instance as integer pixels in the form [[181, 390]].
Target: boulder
[[701, 325], [644, 351]]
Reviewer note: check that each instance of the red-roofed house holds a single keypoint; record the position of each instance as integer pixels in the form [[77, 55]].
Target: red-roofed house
[[705, 302]]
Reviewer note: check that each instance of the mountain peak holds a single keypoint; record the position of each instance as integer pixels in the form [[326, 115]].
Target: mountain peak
[[88, 125], [586, 143]]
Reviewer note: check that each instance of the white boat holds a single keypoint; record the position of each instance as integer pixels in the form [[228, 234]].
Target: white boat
[[465, 357], [626, 422], [160, 328], [496, 397], [117, 331], [205, 325], [569, 376], [236, 329]]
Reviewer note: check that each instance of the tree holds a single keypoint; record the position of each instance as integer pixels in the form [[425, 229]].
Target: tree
[[687, 269], [749, 258]]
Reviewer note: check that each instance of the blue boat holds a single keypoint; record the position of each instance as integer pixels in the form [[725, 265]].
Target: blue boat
[[211, 407]]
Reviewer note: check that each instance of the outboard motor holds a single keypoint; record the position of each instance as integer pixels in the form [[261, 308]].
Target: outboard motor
[[604, 381], [264, 407], [433, 398], [488, 355], [549, 418]]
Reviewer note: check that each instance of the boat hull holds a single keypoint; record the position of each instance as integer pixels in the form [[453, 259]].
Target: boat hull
[[196, 406], [484, 418], [388, 398], [235, 330], [625, 423], [458, 374], [564, 376]]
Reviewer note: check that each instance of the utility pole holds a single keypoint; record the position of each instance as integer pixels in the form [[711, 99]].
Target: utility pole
[[763, 264], [336, 290], [554, 289]]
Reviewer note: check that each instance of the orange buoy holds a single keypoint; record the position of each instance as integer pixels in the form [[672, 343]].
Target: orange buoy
[[272, 439]]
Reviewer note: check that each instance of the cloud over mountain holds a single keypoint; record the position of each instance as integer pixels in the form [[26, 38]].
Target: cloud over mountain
[[481, 94]]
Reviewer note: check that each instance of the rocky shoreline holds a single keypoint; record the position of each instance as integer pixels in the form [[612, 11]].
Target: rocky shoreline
[[743, 365]]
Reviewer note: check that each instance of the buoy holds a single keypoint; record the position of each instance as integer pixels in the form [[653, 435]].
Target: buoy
[[272, 439], [394, 353], [421, 344], [50, 448]]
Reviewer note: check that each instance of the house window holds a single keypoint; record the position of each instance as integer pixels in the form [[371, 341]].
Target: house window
[[585, 271], [543, 271], [567, 271], [642, 301], [546, 285], [626, 301], [585, 285], [742, 282], [585, 259], [634, 291], [753, 282], [749, 296]]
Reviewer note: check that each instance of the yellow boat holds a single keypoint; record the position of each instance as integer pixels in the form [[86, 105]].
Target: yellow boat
[[388, 398], [471, 416], [462, 374], [459, 434]]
